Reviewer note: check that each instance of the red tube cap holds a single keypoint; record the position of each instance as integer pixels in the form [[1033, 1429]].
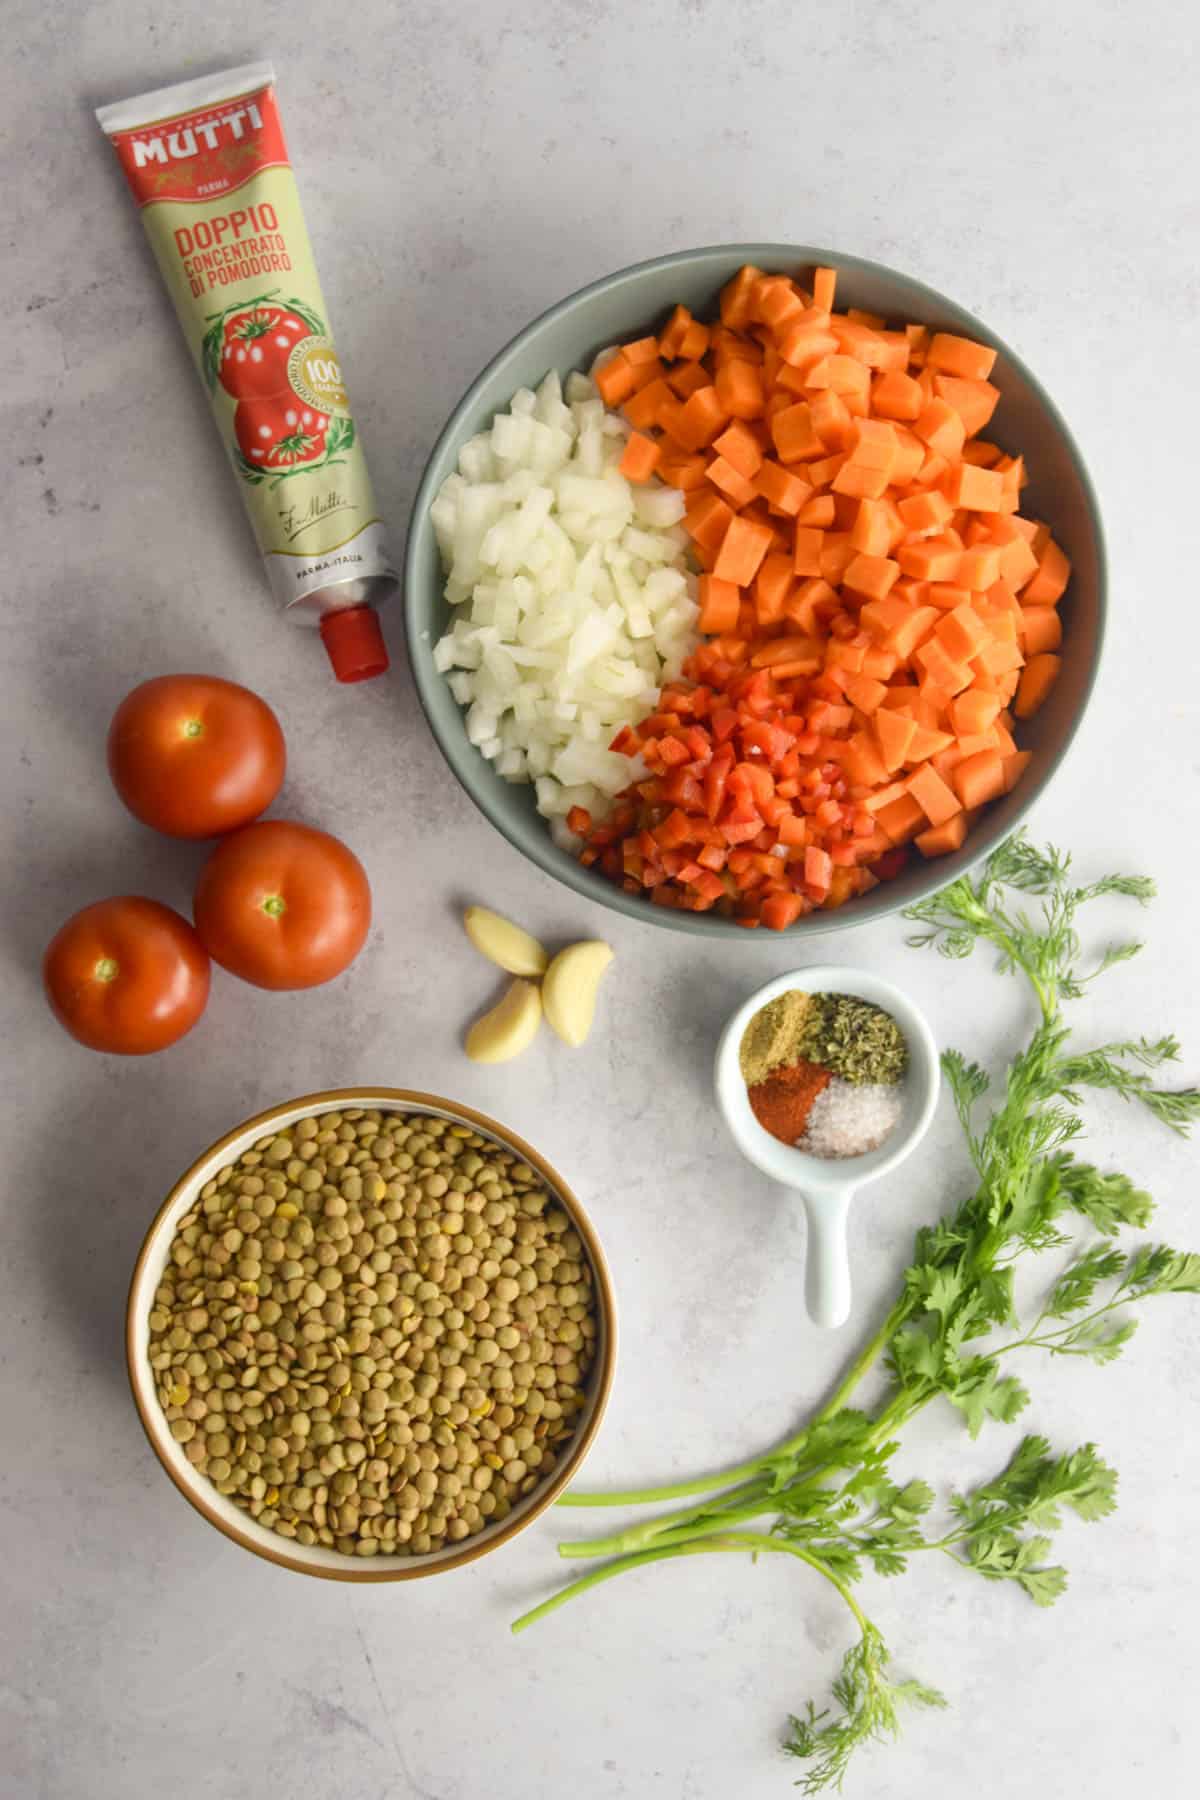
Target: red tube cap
[[355, 643]]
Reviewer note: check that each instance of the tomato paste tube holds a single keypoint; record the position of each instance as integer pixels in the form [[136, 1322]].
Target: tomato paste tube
[[209, 169]]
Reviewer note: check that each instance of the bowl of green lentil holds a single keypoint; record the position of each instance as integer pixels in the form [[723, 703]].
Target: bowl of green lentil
[[370, 1334]]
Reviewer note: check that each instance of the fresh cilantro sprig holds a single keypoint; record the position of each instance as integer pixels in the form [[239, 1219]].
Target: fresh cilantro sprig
[[827, 1496]]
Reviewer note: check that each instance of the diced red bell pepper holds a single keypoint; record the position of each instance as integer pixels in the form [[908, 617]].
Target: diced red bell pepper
[[738, 830], [781, 910], [818, 869]]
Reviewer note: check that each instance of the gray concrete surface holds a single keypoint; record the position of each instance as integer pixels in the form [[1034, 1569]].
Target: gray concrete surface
[[462, 168]]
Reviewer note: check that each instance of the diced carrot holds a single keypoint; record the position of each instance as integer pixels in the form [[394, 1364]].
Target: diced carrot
[[1015, 766], [937, 801], [942, 840], [739, 446], [976, 489], [938, 666], [1049, 583], [979, 567], [879, 663], [794, 434], [822, 472], [683, 472], [804, 342], [910, 457], [719, 602], [685, 378], [778, 303], [708, 519], [1041, 629], [998, 657], [694, 342], [1037, 678], [818, 869], [643, 408], [940, 427], [931, 558], [672, 336], [960, 356], [865, 693], [901, 819], [824, 287], [771, 587], [740, 390], [979, 778], [871, 531], [973, 401], [806, 556], [735, 487], [895, 395], [973, 711], [780, 488], [706, 414], [831, 419], [788, 650], [818, 512], [962, 634], [642, 350], [736, 297], [924, 514], [927, 742], [873, 576], [615, 381], [640, 458], [645, 373], [894, 731], [1017, 562], [912, 631], [837, 553], [743, 547], [861, 481]]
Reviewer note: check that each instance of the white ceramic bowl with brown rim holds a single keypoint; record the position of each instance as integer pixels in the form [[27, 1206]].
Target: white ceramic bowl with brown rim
[[220, 1510]]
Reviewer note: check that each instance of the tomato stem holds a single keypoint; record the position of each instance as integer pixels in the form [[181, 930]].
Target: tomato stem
[[193, 729], [275, 905], [107, 969]]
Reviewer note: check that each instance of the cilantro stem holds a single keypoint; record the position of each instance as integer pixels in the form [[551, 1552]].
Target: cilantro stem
[[747, 1542], [757, 1465]]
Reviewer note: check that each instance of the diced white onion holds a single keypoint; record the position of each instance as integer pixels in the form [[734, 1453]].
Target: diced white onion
[[576, 602]]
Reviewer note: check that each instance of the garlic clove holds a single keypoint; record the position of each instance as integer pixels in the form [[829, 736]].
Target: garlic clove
[[569, 989], [508, 1028], [504, 943]]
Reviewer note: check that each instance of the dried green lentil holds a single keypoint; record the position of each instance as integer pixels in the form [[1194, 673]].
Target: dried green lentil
[[384, 1345]]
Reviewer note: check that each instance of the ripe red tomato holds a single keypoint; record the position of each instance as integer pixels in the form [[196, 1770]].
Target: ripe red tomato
[[126, 975], [282, 905], [255, 347], [195, 756], [280, 432]]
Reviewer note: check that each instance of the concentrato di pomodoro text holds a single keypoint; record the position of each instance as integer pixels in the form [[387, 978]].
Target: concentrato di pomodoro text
[[221, 261]]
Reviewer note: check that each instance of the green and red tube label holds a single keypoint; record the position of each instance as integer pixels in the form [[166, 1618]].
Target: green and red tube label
[[207, 164]]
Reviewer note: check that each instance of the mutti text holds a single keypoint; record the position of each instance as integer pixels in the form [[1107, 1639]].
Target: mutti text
[[178, 146]]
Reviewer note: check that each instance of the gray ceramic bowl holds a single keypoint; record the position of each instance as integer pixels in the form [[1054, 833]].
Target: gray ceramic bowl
[[637, 300]]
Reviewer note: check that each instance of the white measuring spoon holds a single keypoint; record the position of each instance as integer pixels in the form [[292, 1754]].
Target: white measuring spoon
[[827, 1185]]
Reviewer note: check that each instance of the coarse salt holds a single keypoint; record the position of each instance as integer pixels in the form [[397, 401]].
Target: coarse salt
[[849, 1118]]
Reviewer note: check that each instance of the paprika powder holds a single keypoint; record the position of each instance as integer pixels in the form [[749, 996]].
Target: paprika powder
[[782, 1102]]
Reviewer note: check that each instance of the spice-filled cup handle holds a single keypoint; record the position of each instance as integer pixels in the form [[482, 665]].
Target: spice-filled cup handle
[[826, 1256]]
